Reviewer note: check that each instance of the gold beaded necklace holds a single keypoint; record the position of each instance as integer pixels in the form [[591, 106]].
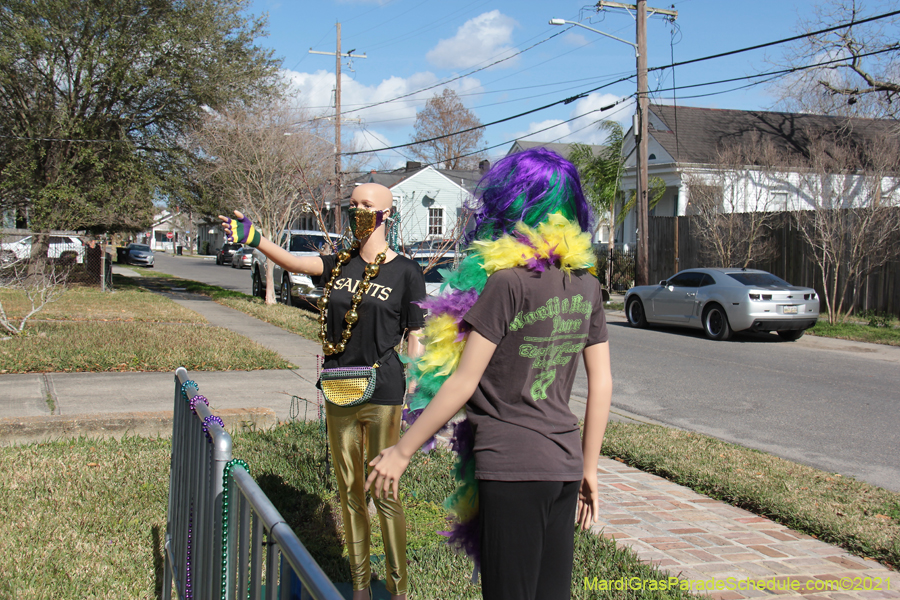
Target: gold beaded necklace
[[352, 316]]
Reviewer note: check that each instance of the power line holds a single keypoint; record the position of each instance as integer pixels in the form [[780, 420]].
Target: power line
[[458, 77], [772, 75], [776, 42], [522, 137], [498, 121]]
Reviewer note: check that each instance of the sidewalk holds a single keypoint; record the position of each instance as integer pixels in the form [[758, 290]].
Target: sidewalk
[[689, 535]]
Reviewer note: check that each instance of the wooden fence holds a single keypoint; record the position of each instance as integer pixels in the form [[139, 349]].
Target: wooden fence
[[674, 246]]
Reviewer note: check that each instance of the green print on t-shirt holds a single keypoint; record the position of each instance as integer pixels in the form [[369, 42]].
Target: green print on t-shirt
[[564, 343]]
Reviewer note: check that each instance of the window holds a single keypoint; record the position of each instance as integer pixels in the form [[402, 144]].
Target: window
[[691, 279], [779, 201], [436, 221], [759, 279], [308, 242]]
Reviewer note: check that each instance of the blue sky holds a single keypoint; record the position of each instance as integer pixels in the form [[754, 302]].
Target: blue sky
[[414, 44]]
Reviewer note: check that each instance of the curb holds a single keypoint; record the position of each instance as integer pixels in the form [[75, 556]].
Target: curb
[[30, 430]]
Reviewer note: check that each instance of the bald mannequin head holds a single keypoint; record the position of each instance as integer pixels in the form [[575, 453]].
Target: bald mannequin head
[[376, 198], [373, 196]]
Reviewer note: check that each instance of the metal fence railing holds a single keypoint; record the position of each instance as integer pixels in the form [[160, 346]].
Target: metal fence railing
[[290, 572], [224, 538], [200, 450]]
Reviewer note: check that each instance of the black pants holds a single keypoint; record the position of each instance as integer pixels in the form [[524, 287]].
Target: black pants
[[527, 539]]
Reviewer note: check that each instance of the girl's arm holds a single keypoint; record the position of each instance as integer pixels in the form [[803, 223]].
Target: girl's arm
[[390, 464], [599, 376], [308, 265]]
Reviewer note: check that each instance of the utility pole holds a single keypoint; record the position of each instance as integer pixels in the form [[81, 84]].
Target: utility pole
[[642, 272], [337, 122]]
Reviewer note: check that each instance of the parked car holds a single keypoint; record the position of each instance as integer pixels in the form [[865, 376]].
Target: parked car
[[138, 254], [224, 254], [59, 245], [434, 255], [293, 287], [242, 258], [723, 301]]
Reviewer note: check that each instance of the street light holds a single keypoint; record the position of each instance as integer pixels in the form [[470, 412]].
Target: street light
[[640, 135], [564, 22]]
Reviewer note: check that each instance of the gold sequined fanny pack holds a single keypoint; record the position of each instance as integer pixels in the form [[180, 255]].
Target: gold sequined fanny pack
[[349, 386]]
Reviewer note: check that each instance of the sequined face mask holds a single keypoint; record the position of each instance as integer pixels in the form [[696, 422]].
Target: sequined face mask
[[363, 221]]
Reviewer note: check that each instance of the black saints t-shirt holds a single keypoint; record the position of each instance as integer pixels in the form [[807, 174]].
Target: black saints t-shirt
[[385, 313]]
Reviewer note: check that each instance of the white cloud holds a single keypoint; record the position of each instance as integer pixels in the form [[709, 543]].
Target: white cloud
[[314, 90], [575, 39], [489, 35], [583, 129]]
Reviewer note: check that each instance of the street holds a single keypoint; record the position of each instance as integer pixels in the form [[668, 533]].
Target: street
[[831, 404], [204, 269]]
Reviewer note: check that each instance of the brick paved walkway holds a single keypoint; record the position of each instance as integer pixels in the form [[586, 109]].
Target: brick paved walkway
[[696, 538]]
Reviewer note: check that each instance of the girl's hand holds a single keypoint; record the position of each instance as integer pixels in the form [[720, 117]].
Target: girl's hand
[[386, 470], [588, 501], [240, 230]]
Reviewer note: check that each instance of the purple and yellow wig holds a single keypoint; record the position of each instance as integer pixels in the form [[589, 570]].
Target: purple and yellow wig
[[527, 187]]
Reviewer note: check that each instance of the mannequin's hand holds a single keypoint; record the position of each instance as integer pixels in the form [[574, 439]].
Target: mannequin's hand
[[240, 230]]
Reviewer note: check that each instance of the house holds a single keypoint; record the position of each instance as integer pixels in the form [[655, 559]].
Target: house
[[562, 149], [685, 144], [431, 202]]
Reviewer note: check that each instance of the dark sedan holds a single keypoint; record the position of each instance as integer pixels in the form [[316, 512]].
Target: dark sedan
[[224, 254]]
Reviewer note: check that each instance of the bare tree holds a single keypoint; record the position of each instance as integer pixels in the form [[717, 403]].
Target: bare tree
[[40, 286], [852, 216], [266, 161], [865, 83], [445, 114], [733, 203]]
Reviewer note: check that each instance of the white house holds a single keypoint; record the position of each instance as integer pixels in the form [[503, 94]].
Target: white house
[[685, 145], [431, 202]]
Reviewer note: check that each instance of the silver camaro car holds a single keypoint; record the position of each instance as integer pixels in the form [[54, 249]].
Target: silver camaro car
[[723, 301]]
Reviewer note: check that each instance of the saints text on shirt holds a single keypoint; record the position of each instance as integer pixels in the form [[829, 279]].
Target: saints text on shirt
[[376, 291]]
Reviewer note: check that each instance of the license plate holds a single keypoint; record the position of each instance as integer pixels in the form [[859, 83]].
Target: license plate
[[790, 310]]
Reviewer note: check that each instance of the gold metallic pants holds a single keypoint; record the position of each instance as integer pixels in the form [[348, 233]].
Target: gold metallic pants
[[356, 435]]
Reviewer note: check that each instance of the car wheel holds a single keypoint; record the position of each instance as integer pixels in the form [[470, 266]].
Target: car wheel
[[286, 291], [790, 336], [715, 323], [635, 313], [258, 289]]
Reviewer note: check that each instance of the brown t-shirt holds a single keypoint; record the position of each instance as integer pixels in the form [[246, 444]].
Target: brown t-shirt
[[541, 322]]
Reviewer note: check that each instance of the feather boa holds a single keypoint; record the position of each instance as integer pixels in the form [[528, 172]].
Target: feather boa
[[556, 241]]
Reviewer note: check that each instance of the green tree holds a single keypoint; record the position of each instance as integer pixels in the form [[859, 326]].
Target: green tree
[[601, 178], [98, 94], [601, 174]]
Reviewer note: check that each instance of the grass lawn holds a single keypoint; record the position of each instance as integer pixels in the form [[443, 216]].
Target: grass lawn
[[857, 331], [86, 519], [303, 322], [130, 329]]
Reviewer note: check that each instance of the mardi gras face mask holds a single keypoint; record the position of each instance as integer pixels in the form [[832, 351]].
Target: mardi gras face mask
[[363, 221]]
